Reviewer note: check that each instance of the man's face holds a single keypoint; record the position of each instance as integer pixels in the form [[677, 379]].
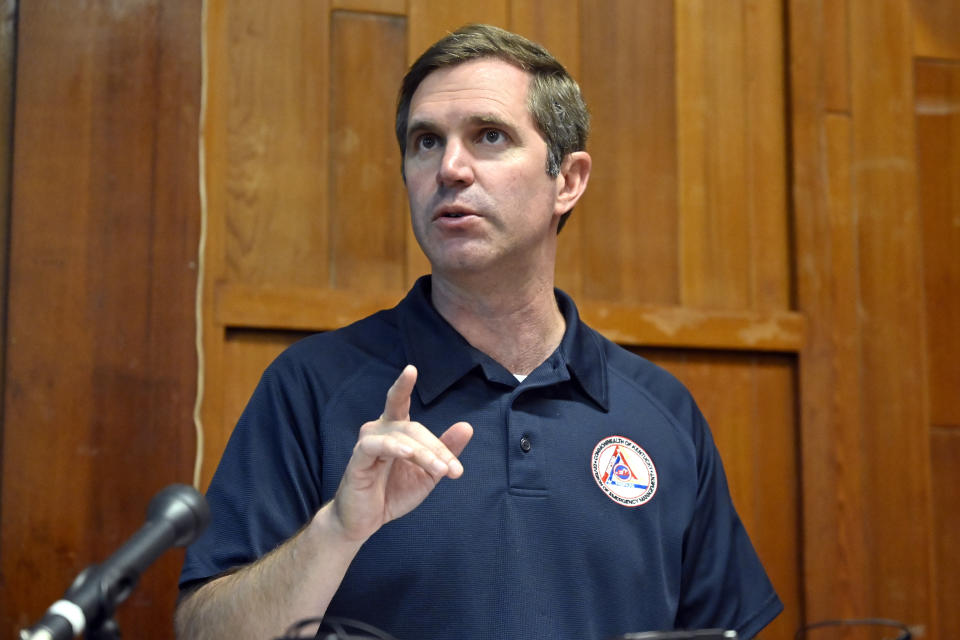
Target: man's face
[[475, 170]]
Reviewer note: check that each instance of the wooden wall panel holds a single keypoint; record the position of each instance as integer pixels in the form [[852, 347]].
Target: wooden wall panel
[[368, 211], [430, 20], [765, 168], [627, 218], [865, 452], [892, 373], [711, 154], [937, 108], [945, 451], [835, 557], [268, 140], [834, 28], [731, 155], [715, 242], [936, 24], [753, 418], [8, 50], [101, 365], [938, 157], [388, 7]]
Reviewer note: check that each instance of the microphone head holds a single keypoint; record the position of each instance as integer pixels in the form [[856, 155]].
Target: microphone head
[[184, 508]]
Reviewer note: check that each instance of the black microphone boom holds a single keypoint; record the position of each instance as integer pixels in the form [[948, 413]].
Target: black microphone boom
[[175, 517]]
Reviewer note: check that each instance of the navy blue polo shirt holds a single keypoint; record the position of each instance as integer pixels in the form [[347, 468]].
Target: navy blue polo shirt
[[593, 501]]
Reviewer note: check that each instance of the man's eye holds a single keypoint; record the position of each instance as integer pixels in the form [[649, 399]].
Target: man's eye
[[427, 141], [492, 136]]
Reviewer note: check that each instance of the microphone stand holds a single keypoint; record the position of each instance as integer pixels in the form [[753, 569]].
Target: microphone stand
[[106, 627], [175, 517]]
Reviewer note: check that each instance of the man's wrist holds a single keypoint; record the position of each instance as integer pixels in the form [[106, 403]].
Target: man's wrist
[[327, 526]]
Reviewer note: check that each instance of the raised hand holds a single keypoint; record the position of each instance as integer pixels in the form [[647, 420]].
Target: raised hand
[[396, 463]]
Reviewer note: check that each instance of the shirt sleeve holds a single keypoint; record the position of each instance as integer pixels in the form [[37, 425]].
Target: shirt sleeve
[[266, 486], [724, 583]]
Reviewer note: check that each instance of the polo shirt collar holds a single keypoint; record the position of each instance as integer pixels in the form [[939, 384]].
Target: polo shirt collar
[[582, 349], [442, 356]]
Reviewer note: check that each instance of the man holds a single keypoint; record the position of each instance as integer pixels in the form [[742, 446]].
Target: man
[[516, 475]]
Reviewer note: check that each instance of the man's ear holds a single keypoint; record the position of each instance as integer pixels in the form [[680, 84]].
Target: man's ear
[[574, 174]]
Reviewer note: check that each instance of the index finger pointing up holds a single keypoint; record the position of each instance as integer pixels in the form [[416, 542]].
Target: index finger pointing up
[[397, 406]]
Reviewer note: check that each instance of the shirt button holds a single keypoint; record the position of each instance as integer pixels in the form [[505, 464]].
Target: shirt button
[[525, 444]]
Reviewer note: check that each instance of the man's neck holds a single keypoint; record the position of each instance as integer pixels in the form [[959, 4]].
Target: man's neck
[[517, 327]]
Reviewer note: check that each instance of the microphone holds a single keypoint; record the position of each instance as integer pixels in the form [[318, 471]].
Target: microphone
[[175, 517]]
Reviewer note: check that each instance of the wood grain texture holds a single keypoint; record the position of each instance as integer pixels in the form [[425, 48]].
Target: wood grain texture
[[8, 49], [388, 7], [309, 309], [101, 369], [936, 29], [714, 237], [430, 20], [862, 375], [836, 571], [938, 167], [268, 160], [731, 155], [945, 451], [765, 168], [367, 207], [835, 28], [628, 220], [696, 328], [893, 375], [295, 308], [937, 108]]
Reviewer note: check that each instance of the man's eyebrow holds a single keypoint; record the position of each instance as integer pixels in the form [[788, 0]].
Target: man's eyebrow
[[415, 126], [491, 119], [486, 119]]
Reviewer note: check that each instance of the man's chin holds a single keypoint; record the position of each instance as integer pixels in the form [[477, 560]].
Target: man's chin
[[460, 254], [462, 264]]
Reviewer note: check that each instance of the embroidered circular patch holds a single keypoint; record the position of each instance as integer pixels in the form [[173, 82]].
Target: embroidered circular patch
[[624, 471]]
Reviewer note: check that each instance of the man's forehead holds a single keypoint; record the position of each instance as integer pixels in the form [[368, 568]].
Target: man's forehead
[[490, 81]]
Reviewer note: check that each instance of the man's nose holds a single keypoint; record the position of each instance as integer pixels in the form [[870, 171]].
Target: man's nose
[[455, 165]]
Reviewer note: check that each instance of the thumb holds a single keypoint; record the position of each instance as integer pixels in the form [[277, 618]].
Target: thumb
[[456, 437]]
